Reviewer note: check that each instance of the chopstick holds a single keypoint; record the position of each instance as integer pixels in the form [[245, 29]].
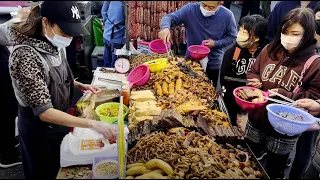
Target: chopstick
[[110, 81], [292, 104], [167, 49], [282, 96]]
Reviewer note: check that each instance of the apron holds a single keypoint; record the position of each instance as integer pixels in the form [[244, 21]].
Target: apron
[[40, 141], [118, 25]]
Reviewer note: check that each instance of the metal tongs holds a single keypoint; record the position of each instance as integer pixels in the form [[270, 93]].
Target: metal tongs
[[167, 50], [290, 102], [111, 81]]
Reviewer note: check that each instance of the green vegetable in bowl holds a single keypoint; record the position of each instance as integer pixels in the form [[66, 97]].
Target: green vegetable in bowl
[[111, 111]]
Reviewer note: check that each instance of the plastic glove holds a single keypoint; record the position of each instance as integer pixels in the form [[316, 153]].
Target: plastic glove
[[107, 130]]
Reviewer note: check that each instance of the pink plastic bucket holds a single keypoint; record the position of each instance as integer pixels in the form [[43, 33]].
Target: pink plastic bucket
[[198, 52], [246, 105], [139, 76], [158, 47]]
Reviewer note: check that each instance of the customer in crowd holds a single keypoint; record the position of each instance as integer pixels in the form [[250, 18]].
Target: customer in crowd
[[307, 140], [317, 17], [238, 59], [313, 107], [114, 30], [43, 84], [9, 151], [280, 10], [278, 67], [252, 7], [207, 22]]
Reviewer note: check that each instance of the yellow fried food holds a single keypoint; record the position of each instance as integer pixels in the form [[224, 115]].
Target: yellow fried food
[[255, 100], [129, 166], [137, 170], [165, 90], [171, 87], [158, 163], [158, 89], [129, 177], [178, 84], [259, 93], [156, 174]]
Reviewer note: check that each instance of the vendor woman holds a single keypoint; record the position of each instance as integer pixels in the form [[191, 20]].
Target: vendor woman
[[204, 21], [43, 84]]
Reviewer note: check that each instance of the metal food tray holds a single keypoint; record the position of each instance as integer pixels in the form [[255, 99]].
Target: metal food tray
[[223, 108], [253, 158]]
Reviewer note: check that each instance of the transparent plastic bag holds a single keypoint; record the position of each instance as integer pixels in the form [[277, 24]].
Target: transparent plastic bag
[[85, 106]]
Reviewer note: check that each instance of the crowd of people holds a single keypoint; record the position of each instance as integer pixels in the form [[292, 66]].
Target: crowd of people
[[278, 53]]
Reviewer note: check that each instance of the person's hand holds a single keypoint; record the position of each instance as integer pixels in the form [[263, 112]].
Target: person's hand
[[165, 35], [88, 87], [209, 43], [254, 83], [107, 130], [311, 105], [23, 13], [314, 127]]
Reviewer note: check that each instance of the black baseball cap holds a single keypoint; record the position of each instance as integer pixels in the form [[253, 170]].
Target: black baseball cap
[[66, 14]]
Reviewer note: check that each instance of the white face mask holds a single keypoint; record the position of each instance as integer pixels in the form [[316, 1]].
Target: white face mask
[[290, 42], [206, 13], [58, 41]]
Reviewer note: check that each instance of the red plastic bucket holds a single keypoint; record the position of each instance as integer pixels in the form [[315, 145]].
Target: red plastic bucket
[[139, 76], [198, 52], [158, 47], [246, 105]]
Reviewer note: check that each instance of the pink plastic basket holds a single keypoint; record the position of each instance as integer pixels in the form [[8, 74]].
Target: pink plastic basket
[[157, 46], [246, 105], [139, 76], [198, 52]]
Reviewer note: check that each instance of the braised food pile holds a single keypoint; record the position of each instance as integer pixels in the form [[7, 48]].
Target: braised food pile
[[250, 95], [192, 155], [184, 94]]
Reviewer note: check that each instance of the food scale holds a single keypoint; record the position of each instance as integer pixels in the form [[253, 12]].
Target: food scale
[[122, 64]]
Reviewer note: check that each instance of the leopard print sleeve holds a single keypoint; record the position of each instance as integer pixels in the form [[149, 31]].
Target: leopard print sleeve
[[28, 75]]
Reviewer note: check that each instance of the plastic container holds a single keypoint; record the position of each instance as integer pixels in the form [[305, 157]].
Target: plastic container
[[157, 64], [198, 52], [98, 32], [125, 92], [288, 126], [247, 105], [100, 161], [108, 119], [139, 76], [97, 59], [157, 46]]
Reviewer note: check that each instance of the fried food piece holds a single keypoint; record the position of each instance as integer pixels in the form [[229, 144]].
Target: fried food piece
[[129, 177], [178, 84], [165, 90], [129, 166], [152, 175], [250, 94], [158, 89], [260, 95], [171, 87], [158, 163], [137, 170]]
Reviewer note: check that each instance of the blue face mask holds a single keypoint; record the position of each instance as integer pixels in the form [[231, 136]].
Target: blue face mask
[[59, 41]]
